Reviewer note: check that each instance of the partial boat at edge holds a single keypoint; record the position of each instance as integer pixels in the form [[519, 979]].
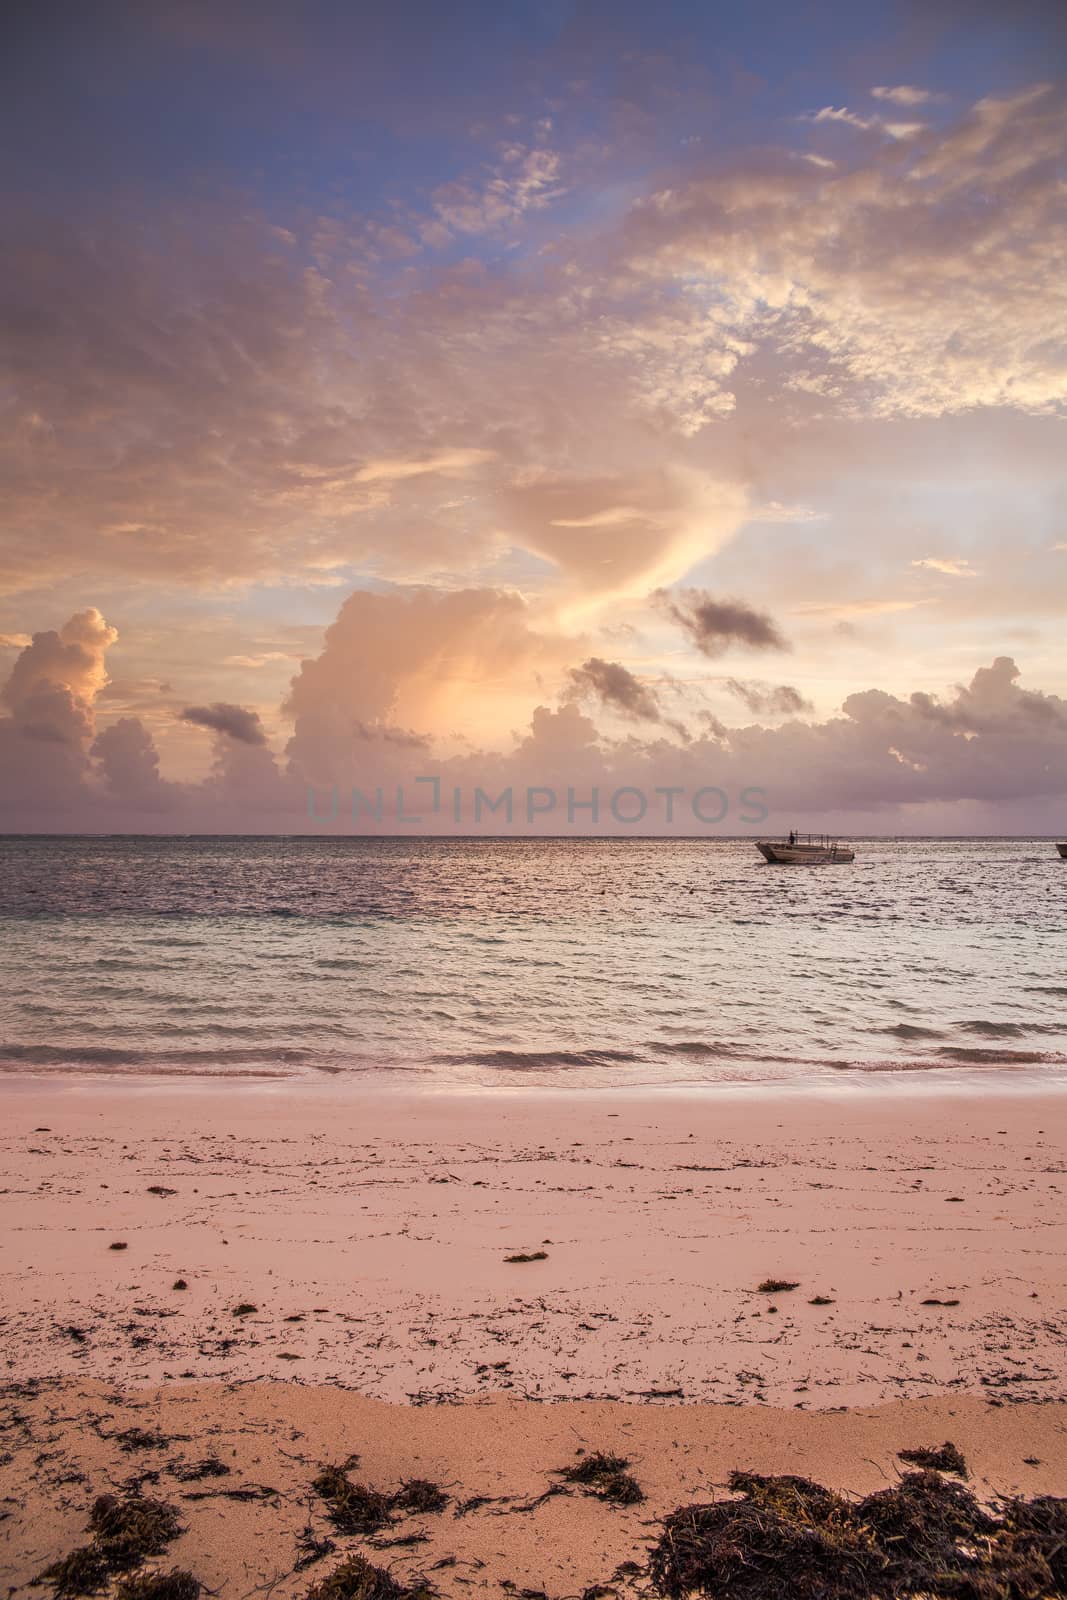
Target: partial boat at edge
[[1062, 848], [805, 850]]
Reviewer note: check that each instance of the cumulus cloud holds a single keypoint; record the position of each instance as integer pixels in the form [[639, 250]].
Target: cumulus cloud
[[232, 722], [990, 742], [715, 625], [414, 656], [128, 762], [57, 677]]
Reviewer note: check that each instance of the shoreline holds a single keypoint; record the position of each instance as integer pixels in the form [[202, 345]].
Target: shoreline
[[965, 1081]]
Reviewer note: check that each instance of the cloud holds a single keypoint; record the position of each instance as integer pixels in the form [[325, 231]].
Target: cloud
[[261, 660], [232, 722], [618, 535], [989, 742], [616, 688], [716, 625], [417, 657], [271, 408], [388, 735], [904, 94], [953, 567], [859, 285], [764, 699], [524, 179], [843, 114], [128, 762], [895, 130], [56, 678]]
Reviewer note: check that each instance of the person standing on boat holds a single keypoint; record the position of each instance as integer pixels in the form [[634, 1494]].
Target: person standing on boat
[[792, 836]]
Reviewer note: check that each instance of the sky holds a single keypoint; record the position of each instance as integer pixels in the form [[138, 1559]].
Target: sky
[[550, 394]]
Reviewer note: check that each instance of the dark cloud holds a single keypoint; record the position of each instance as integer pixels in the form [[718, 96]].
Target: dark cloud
[[714, 625], [232, 721], [764, 699], [616, 687], [388, 735]]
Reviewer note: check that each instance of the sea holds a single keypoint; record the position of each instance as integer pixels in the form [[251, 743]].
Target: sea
[[489, 963]]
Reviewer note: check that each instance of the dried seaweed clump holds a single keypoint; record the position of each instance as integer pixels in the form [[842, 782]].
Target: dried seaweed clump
[[174, 1585], [358, 1579], [125, 1533], [925, 1536], [776, 1286], [1035, 1531], [81, 1571], [606, 1477], [128, 1531], [419, 1495], [352, 1507], [786, 1537], [946, 1458], [355, 1508]]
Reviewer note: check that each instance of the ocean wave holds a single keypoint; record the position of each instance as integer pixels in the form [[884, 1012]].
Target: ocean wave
[[1020, 1058], [534, 1060]]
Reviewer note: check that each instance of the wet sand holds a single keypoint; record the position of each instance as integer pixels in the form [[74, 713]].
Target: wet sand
[[370, 1233], [354, 1244]]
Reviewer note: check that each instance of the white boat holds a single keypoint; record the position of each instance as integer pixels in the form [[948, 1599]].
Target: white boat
[[805, 850]]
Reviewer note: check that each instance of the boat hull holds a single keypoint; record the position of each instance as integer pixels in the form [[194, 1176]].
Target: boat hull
[[803, 855], [1062, 848]]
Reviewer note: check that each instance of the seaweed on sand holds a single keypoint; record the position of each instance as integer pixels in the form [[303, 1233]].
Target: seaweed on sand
[[81, 1571], [141, 1439], [1036, 1531], [358, 1579], [174, 1585], [776, 1286], [125, 1533], [606, 1477], [419, 1495], [790, 1496], [356, 1508], [925, 1536], [352, 1507], [745, 1550], [944, 1458]]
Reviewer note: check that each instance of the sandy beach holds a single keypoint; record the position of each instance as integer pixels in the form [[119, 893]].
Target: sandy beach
[[281, 1276]]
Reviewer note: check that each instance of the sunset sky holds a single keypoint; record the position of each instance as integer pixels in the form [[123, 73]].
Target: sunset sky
[[545, 392]]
